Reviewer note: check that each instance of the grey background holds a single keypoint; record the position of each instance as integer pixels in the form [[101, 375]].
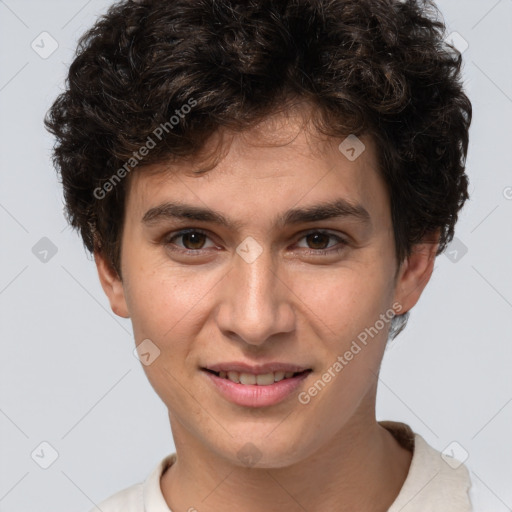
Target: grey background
[[68, 376]]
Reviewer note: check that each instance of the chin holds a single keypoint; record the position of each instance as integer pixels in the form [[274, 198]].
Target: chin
[[257, 449]]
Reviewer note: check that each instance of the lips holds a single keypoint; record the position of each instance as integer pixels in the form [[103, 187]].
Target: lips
[[258, 385]]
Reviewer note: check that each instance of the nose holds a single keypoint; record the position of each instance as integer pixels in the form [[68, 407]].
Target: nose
[[257, 302]]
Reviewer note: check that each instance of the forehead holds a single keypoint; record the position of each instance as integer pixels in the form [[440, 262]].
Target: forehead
[[264, 171]]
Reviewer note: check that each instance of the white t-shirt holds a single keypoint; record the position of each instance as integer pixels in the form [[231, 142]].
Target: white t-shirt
[[433, 483]]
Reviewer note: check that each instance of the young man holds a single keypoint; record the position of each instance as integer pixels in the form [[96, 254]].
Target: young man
[[265, 186]]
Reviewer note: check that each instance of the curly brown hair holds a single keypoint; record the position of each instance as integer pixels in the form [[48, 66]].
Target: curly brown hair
[[377, 67]]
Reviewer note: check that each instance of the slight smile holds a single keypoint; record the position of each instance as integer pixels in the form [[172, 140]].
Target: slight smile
[[256, 386]]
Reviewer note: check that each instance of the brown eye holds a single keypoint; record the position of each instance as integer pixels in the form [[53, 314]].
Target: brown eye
[[318, 240], [318, 243], [192, 240]]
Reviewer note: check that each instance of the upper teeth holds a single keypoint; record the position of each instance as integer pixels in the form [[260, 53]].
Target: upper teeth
[[263, 379]]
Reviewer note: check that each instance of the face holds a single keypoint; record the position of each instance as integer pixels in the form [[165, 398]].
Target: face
[[266, 282]]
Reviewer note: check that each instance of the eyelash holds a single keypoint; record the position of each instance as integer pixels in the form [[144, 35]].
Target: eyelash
[[168, 242]]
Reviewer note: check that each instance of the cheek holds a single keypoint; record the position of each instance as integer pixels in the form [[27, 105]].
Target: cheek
[[163, 301], [343, 302], [165, 307], [353, 351]]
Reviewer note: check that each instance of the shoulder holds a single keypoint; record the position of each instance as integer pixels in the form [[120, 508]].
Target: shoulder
[[141, 497], [435, 481]]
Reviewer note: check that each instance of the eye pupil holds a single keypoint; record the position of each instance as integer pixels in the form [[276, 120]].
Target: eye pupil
[[193, 235], [319, 235]]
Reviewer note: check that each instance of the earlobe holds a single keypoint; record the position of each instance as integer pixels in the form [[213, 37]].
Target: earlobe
[[112, 286], [415, 272]]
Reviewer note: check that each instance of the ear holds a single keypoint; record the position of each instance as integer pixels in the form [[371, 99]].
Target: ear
[[415, 271], [112, 286]]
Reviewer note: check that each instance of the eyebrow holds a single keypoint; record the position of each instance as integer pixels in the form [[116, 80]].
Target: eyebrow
[[340, 208]]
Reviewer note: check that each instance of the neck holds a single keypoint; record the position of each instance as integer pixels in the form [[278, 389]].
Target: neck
[[362, 468]]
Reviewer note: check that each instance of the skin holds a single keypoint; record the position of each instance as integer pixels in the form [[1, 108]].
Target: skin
[[288, 306]]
